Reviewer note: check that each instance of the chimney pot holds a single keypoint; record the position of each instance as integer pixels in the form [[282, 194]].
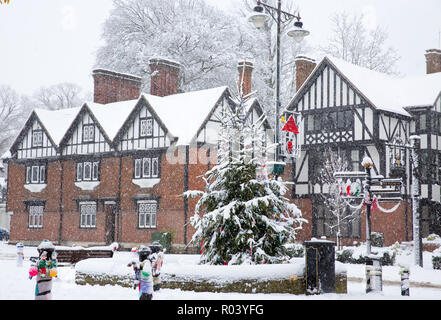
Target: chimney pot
[[433, 61]]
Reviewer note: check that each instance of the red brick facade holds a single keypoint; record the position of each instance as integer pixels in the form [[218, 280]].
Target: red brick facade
[[164, 77], [111, 86], [433, 61]]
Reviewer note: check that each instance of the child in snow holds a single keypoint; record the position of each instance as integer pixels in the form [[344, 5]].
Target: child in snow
[[45, 269], [143, 274], [157, 259]]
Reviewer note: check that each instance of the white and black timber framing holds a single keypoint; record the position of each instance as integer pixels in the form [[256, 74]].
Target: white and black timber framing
[[336, 115]]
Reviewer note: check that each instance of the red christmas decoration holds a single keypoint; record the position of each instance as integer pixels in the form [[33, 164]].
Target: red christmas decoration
[[291, 126]]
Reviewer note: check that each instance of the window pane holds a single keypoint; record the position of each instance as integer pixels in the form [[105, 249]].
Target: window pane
[[28, 175], [35, 174], [42, 174], [137, 168], [146, 167], [87, 170], [79, 171], [155, 167], [95, 171]]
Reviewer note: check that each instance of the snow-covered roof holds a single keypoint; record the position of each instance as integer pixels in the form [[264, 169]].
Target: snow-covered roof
[[57, 122], [183, 114], [112, 116], [390, 93]]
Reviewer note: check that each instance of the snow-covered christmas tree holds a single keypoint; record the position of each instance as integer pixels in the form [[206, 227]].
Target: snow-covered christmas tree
[[242, 217]]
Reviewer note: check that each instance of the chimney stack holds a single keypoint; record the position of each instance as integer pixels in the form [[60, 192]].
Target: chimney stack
[[433, 61], [164, 79], [304, 67], [110, 86], [245, 69]]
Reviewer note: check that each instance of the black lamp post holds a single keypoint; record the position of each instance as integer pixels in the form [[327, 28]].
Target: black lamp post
[[258, 18]]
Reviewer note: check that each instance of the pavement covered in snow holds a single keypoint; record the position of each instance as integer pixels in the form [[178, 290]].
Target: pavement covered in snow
[[15, 284]]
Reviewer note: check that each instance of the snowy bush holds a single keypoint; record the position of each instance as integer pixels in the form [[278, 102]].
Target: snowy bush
[[377, 239], [356, 256], [436, 259]]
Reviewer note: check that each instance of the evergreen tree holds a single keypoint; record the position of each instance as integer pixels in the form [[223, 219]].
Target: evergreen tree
[[243, 217]]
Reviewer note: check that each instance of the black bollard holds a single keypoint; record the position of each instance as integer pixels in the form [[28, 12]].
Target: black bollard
[[320, 266]]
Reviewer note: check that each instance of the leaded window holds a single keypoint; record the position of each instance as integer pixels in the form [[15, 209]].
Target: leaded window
[[36, 216], [147, 210], [89, 133], [88, 215], [88, 171], [146, 127], [147, 167], [35, 174], [37, 138]]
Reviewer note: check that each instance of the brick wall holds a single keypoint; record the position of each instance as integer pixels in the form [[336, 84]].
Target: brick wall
[[111, 86]]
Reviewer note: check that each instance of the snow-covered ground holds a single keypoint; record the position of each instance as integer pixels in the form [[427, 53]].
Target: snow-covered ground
[[15, 284]]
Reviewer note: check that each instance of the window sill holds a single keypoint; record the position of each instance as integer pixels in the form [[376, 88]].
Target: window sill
[[37, 187], [87, 185], [146, 183]]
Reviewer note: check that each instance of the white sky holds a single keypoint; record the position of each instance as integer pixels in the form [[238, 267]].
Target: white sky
[[46, 42]]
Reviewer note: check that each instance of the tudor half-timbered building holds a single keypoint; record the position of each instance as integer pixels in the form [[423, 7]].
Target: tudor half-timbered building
[[358, 112], [114, 170]]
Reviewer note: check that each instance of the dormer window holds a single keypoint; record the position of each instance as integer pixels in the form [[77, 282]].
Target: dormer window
[[89, 133], [37, 138]]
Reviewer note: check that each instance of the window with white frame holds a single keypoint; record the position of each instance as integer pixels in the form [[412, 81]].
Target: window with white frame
[[87, 171], [36, 216], [89, 133], [37, 138], [147, 210], [87, 214], [146, 127], [35, 174], [147, 167]]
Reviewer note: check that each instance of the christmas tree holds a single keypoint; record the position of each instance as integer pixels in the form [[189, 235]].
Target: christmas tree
[[242, 217]]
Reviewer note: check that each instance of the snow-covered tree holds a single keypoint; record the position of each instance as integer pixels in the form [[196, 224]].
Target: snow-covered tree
[[242, 217], [12, 116], [342, 210], [60, 96], [352, 41]]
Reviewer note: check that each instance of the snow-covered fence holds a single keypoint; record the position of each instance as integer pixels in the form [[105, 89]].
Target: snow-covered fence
[[73, 255], [266, 278]]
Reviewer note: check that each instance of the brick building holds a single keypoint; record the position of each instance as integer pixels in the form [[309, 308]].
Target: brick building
[[115, 169], [358, 112]]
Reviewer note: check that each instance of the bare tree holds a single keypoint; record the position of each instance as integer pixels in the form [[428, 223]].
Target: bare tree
[[60, 96], [353, 42], [12, 115], [342, 210]]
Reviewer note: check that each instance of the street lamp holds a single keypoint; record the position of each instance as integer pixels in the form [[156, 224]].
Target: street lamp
[[258, 18], [397, 155]]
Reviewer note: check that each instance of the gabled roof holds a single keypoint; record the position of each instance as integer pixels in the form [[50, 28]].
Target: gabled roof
[[57, 122], [185, 113], [182, 115], [53, 122], [386, 92]]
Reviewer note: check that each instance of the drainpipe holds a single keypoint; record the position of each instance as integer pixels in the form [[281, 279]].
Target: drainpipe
[[186, 169], [60, 208]]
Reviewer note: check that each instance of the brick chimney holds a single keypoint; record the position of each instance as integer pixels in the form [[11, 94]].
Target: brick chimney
[[164, 78], [245, 69], [433, 61], [304, 67], [110, 86]]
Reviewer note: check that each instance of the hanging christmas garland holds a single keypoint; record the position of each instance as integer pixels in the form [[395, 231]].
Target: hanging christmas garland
[[388, 210]]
